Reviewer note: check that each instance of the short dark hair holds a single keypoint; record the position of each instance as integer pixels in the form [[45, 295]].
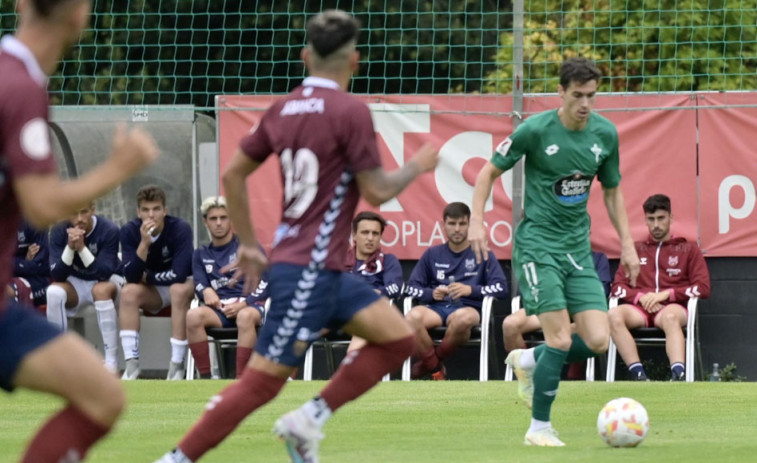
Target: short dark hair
[[331, 30], [657, 202], [579, 70], [151, 193], [456, 210], [368, 215]]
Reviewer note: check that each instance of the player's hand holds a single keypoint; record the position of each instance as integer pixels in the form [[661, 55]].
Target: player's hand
[[133, 150], [426, 158], [144, 230], [439, 293], [32, 251], [75, 238], [648, 300], [478, 242], [231, 310], [211, 298], [457, 290], [629, 260], [250, 264]]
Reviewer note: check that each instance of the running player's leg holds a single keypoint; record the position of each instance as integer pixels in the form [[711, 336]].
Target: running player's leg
[[64, 365], [198, 319]]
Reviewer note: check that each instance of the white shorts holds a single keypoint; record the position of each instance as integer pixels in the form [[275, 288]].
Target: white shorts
[[83, 290], [165, 297]]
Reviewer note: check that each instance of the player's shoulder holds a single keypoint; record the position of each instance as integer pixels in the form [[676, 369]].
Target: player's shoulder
[[106, 224], [177, 223], [602, 124], [60, 227]]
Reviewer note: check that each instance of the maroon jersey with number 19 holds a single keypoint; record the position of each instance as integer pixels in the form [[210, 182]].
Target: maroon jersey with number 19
[[323, 137], [24, 138]]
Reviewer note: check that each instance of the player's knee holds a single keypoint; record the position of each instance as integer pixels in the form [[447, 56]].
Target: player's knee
[[181, 292], [195, 319], [56, 295], [248, 319], [598, 343], [130, 297], [103, 291], [510, 326], [616, 319], [113, 402]]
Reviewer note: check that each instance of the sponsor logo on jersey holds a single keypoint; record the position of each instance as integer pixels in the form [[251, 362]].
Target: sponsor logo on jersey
[[597, 150], [552, 149], [573, 188]]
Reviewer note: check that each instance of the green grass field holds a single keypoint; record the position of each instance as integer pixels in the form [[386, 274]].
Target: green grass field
[[425, 421]]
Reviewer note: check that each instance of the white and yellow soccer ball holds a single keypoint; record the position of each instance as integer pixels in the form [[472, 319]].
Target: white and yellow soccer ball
[[623, 422]]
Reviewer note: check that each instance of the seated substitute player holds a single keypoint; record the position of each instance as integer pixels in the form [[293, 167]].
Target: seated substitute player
[[672, 271], [224, 304], [157, 264], [36, 355], [366, 260], [83, 260], [31, 269], [515, 325], [326, 142], [450, 286]]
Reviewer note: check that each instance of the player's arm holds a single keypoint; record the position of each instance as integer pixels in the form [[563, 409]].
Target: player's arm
[[105, 263], [616, 210], [133, 265], [481, 192], [45, 198], [418, 286], [698, 277], [181, 263], [392, 277], [60, 266], [250, 260], [378, 186]]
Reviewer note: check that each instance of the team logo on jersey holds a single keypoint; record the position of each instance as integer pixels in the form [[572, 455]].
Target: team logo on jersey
[[597, 150], [232, 257], [504, 147], [552, 149], [672, 261], [440, 275], [208, 269], [21, 237], [470, 264], [573, 188], [165, 251], [92, 248]]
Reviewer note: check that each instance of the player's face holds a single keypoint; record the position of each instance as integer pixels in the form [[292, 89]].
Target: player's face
[[154, 211], [456, 229], [658, 223], [83, 218], [578, 102], [218, 223], [367, 238]]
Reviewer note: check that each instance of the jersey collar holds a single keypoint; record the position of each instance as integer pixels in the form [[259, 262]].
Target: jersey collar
[[320, 82], [11, 45]]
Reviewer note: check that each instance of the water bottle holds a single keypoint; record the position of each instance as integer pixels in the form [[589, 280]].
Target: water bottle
[[715, 376], [451, 280]]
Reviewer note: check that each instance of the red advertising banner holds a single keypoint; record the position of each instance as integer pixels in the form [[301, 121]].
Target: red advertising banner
[[728, 171], [658, 149]]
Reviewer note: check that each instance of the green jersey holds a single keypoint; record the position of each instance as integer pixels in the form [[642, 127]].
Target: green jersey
[[560, 166]]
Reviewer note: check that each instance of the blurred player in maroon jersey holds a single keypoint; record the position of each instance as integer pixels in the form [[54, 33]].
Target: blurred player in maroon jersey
[[325, 140], [33, 353]]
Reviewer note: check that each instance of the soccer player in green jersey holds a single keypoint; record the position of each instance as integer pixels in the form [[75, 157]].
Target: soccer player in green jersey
[[564, 149]]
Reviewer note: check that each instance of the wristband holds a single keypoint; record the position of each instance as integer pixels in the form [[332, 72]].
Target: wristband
[[68, 256], [86, 256]]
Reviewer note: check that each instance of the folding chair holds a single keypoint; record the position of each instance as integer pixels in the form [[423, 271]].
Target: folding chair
[[655, 337], [480, 336], [537, 338]]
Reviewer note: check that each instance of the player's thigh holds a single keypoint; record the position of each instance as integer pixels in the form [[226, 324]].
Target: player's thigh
[[424, 316], [541, 280], [467, 316], [631, 316], [555, 325], [72, 297], [671, 313], [181, 293], [150, 298], [593, 327], [203, 316], [583, 290]]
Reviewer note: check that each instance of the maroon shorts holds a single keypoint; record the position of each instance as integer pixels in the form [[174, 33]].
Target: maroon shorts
[[650, 317]]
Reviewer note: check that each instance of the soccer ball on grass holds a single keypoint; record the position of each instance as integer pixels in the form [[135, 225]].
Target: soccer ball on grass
[[623, 423]]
